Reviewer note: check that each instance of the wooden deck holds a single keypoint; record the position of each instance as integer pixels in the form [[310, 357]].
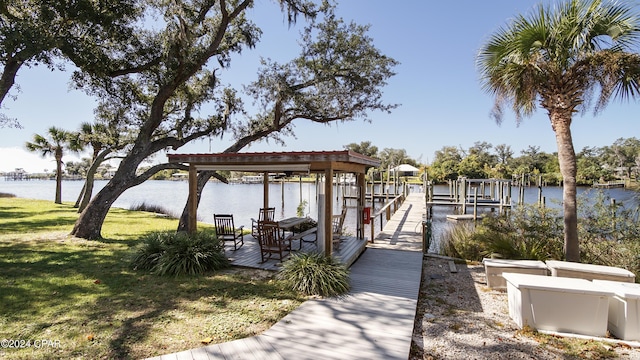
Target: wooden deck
[[374, 320], [249, 254]]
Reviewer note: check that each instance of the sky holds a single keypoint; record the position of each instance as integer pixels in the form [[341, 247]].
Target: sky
[[436, 84]]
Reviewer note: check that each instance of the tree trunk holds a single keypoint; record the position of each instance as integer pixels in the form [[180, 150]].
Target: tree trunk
[[567, 161], [203, 178], [89, 224], [58, 176], [8, 77], [80, 195], [87, 190]]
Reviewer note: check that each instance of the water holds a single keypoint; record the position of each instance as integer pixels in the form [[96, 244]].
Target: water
[[245, 200], [241, 200], [552, 197]]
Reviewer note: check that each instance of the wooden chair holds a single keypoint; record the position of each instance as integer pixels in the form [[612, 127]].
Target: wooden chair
[[272, 241], [266, 214], [226, 230], [337, 224]]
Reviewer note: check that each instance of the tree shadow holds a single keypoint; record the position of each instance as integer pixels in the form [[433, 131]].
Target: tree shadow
[[88, 287]]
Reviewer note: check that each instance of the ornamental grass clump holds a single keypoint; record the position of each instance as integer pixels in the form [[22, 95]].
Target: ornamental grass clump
[[178, 253], [315, 274], [457, 241], [156, 209], [528, 232]]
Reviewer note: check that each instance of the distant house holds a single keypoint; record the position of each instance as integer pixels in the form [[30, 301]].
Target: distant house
[[180, 176], [405, 170]]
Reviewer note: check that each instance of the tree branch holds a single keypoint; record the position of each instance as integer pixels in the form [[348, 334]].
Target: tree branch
[[135, 69]]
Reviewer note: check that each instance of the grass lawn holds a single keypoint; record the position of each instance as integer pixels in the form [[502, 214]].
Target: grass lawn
[[74, 298]]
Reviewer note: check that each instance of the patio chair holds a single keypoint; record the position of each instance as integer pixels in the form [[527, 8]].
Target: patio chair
[[226, 230], [337, 224], [272, 241], [266, 214]]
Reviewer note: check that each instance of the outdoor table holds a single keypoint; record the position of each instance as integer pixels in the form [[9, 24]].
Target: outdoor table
[[288, 224]]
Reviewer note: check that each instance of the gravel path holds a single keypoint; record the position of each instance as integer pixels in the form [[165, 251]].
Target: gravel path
[[459, 317]]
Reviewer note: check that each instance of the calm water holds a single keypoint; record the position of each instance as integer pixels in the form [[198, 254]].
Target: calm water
[[244, 200], [241, 200], [552, 197]]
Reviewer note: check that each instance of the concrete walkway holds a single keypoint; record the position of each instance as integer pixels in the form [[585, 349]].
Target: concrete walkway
[[374, 321]]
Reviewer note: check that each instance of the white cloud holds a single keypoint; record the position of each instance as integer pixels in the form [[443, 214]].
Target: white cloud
[[12, 158]]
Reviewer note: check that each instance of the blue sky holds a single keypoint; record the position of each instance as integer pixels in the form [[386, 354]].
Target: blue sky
[[436, 84]]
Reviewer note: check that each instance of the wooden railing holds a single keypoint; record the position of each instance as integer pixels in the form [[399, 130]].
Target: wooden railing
[[385, 213]]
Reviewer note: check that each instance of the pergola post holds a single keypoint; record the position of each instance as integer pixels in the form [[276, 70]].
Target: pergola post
[[360, 180], [193, 200], [265, 191], [328, 211]]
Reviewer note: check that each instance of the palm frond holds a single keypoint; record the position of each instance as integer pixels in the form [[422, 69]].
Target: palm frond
[[576, 48]]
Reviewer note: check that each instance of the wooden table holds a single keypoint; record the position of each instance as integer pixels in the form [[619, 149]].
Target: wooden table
[[289, 223]]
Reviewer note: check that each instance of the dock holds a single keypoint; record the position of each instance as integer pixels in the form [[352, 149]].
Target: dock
[[404, 230], [475, 194], [610, 184], [373, 321]]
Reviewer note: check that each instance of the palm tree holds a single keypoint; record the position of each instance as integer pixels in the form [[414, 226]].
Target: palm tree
[[55, 143], [559, 57]]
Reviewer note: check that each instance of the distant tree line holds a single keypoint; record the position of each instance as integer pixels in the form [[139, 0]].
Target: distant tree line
[[621, 160]]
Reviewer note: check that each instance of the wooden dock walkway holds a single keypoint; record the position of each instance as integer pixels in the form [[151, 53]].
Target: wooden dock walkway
[[404, 230], [374, 320]]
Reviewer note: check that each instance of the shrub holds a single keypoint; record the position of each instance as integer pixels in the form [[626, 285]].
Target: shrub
[[6, 195], [315, 274], [149, 254], [301, 207], [609, 233], [457, 241], [152, 208], [529, 232], [179, 253]]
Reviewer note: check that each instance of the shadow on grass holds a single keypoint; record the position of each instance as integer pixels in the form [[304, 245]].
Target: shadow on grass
[[35, 215], [8, 212], [80, 289], [31, 224]]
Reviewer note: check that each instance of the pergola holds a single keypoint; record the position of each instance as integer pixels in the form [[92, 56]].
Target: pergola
[[321, 162]]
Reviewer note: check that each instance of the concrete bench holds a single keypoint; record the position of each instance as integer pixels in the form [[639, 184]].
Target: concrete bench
[[624, 308], [558, 304], [494, 268], [589, 271]]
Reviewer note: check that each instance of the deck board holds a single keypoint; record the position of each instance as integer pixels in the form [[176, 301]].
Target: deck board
[[404, 230], [249, 254]]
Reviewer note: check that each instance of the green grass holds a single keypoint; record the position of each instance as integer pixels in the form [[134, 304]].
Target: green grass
[[84, 296]]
